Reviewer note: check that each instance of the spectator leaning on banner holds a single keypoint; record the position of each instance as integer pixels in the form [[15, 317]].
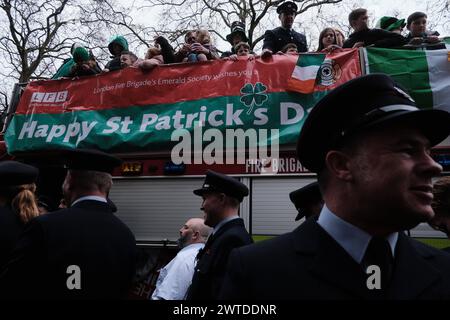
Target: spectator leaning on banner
[[418, 33], [116, 46], [327, 39], [236, 36], [340, 38], [182, 54], [129, 59], [370, 147], [242, 49], [364, 37], [276, 39], [391, 24], [290, 48]]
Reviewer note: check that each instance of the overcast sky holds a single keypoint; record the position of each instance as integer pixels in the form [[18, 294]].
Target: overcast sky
[[308, 20]]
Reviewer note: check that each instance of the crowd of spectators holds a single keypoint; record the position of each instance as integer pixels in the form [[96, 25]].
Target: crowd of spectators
[[198, 45]]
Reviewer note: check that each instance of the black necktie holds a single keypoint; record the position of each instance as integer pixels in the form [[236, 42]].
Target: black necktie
[[379, 253]]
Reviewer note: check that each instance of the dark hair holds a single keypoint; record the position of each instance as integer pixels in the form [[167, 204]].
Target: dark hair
[[355, 14], [131, 54], [232, 202], [91, 180], [288, 46], [241, 44], [322, 35], [415, 16], [441, 201], [188, 33]]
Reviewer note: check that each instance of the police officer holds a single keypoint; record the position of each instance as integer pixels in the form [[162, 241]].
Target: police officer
[[14, 179], [370, 146], [81, 252], [222, 196], [276, 39], [307, 200], [236, 36]]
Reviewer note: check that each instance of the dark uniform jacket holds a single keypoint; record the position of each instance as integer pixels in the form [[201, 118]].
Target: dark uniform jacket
[[10, 229], [309, 264], [210, 268], [427, 46], [114, 64], [377, 37], [86, 235], [277, 38]]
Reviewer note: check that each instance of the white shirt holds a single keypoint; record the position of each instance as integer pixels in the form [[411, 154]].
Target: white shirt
[[95, 198], [176, 277], [349, 237]]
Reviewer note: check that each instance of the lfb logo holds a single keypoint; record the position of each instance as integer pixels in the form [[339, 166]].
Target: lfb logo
[[49, 97]]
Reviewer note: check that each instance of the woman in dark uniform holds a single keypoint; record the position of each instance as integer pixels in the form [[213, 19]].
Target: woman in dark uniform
[[18, 203]]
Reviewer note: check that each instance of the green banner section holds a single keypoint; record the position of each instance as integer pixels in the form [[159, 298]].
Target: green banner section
[[408, 67], [151, 128]]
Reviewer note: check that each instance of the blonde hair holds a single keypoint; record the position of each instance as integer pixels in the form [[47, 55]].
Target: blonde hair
[[152, 51], [25, 202], [203, 36]]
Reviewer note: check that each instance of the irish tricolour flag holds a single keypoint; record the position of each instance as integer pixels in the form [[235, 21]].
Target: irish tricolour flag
[[424, 73], [305, 72]]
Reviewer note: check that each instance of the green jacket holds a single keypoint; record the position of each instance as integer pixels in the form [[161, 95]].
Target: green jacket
[[119, 40]]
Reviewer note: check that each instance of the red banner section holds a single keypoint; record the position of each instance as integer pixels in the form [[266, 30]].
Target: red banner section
[[174, 83]]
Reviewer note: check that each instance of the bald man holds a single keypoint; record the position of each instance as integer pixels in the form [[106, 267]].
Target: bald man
[[176, 277]]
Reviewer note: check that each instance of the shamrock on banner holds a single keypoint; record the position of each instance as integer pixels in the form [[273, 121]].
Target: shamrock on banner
[[253, 95]]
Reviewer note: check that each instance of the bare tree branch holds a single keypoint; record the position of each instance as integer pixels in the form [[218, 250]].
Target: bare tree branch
[[218, 15]]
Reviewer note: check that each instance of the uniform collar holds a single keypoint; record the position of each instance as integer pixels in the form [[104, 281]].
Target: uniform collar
[[286, 29], [221, 223], [350, 238], [95, 198]]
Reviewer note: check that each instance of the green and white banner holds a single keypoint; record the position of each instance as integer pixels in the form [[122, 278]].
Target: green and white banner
[[424, 73], [134, 111]]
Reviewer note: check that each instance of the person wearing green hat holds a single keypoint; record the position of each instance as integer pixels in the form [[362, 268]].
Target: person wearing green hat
[[116, 46], [391, 24], [82, 63], [66, 68], [85, 64]]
